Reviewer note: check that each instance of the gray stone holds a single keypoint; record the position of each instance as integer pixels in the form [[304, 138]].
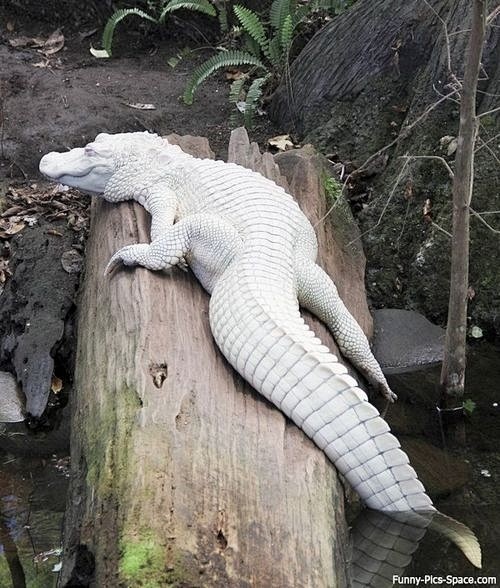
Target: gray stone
[[404, 340]]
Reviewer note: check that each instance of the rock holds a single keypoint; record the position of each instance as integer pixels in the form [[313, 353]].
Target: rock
[[405, 340], [11, 405]]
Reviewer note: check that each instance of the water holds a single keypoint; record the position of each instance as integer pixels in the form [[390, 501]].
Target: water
[[32, 500], [33, 493]]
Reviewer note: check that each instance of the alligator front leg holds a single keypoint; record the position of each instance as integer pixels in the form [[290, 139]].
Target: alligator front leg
[[207, 241], [317, 293]]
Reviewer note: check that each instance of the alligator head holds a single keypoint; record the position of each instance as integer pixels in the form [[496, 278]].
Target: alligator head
[[89, 168]]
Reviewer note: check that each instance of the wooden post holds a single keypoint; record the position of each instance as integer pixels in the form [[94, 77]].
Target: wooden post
[[182, 474]]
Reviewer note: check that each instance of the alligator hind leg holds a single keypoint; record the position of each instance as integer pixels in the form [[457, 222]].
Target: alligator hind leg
[[317, 293]]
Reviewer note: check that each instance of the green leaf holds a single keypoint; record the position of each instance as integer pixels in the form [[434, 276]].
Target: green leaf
[[286, 34], [236, 89], [203, 6], [469, 406], [114, 19], [253, 96], [253, 26], [218, 61], [278, 12]]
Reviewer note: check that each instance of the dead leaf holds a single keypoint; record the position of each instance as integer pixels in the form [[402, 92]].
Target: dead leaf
[[56, 385], [444, 141], [72, 261], [15, 228], [408, 193], [235, 74], [140, 106], [281, 142], [99, 53], [12, 211], [9, 26], [427, 209], [41, 64], [53, 44], [452, 147], [20, 42]]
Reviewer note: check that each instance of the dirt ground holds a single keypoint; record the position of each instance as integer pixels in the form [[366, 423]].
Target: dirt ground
[[64, 99]]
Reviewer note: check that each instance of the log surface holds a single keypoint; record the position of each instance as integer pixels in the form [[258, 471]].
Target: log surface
[[183, 475]]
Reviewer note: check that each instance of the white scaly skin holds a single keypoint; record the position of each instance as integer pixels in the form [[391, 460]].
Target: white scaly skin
[[252, 248]]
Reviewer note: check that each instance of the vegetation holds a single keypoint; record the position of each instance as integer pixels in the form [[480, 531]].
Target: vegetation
[[264, 43], [261, 43], [162, 9]]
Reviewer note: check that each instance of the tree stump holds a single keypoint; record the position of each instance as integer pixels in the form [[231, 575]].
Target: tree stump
[[182, 474]]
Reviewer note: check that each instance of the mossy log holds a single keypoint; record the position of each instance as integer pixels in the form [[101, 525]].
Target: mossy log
[[182, 474]]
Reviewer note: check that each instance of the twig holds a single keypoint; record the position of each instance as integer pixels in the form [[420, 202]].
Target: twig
[[484, 143], [446, 36], [488, 148], [386, 205], [488, 112], [440, 228], [480, 217], [492, 15], [435, 157]]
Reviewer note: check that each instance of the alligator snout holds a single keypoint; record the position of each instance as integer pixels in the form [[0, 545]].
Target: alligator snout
[[48, 165]]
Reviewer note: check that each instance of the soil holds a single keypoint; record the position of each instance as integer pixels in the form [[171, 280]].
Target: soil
[[64, 100], [60, 100]]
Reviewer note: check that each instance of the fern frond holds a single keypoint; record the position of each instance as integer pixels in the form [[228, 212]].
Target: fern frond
[[218, 61], [253, 96], [275, 51], [277, 13], [286, 33], [114, 19], [203, 6], [253, 26], [236, 89]]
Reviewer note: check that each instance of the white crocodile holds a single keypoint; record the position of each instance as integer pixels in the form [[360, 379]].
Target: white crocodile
[[254, 251]]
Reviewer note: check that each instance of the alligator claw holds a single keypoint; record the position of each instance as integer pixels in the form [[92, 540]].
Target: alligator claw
[[182, 264]]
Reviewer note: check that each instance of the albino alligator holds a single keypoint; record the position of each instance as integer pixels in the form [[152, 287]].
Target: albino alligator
[[254, 251]]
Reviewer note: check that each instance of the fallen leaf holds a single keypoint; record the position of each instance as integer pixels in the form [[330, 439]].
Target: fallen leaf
[[72, 261], [53, 44], [86, 34], [452, 147], [427, 209], [140, 106], [27, 42], [15, 228], [235, 74], [99, 53], [444, 141], [281, 142], [12, 211], [56, 385], [41, 64], [9, 26]]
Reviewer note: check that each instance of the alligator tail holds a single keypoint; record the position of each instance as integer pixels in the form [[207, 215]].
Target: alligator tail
[[383, 543]]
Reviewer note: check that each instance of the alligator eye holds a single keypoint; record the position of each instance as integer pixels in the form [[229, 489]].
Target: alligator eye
[[89, 151]]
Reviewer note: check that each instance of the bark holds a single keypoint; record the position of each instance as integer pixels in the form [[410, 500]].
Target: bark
[[453, 369], [182, 475], [360, 85]]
